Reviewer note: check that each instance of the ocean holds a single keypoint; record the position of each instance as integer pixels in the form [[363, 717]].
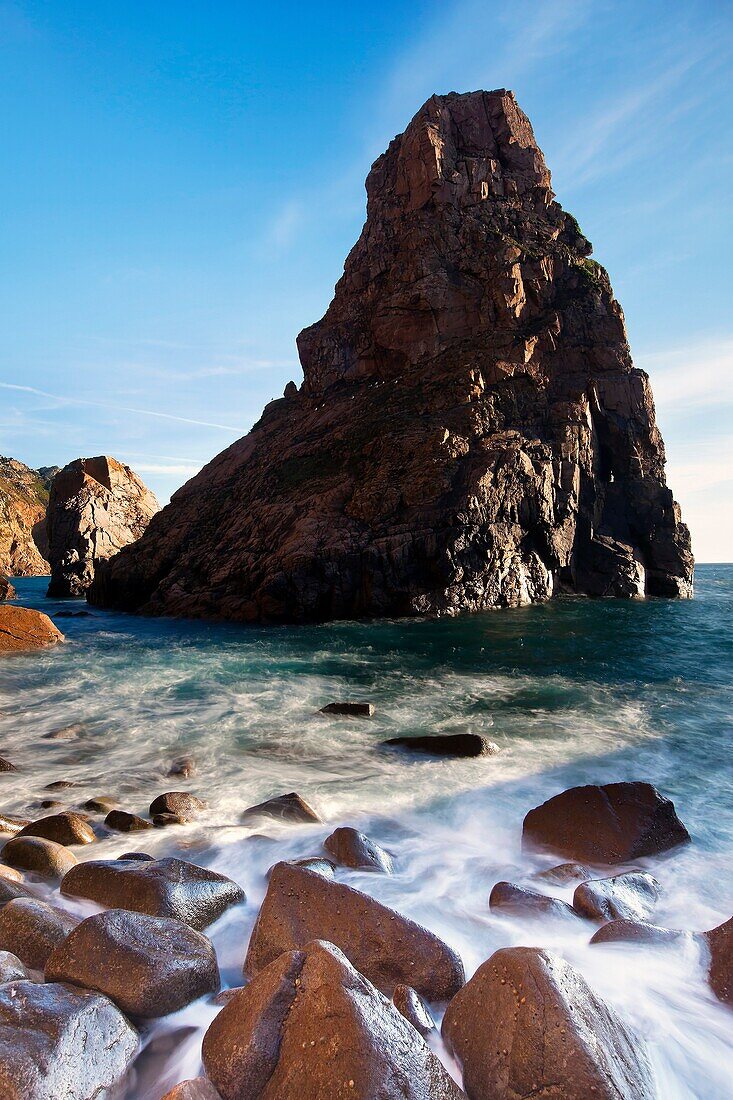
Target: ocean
[[573, 691]]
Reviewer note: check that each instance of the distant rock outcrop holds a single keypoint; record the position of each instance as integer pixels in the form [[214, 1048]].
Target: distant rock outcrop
[[96, 506], [23, 500], [471, 431]]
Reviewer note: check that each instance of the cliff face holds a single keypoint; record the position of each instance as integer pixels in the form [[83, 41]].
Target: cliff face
[[470, 432], [96, 506], [23, 500]]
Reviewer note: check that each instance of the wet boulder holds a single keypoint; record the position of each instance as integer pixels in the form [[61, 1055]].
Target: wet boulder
[[101, 804], [198, 1088], [631, 896], [11, 968], [527, 1024], [318, 864], [59, 1042], [11, 889], [351, 848], [24, 629], [66, 828], [410, 1004], [310, 1026], [564, 874], [32, 929], [285, 807], [632, 931], [351, 710], [149, 966], [720, 943], [160, 887], [184, 805], [44, 857], [10, 873], [182, 768], [163, 820], [613, 823], [446, 744], [517, 901], [12, 823], [123, 822], [7, 765], [388, 949]]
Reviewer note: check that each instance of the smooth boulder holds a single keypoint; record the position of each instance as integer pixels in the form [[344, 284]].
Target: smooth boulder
[[197, 1088], [387, 948], [57, 1042], [149, 966], [351, 848], [564, 874], [44, 857], [631, 896], [633, 931], [22, 629], [11, 968], [12, 823], [123, 822], [311, 1027], [720, 943], [180, 803], [527, 1024], [446, 744], [10, 889], [160, 887], [32, 929], [517, 901], [613, 823], [410, 1004], [66, 828], [284, 807]]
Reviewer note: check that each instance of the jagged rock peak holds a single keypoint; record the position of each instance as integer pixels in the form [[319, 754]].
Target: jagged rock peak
[[96, 506], [470, 433]]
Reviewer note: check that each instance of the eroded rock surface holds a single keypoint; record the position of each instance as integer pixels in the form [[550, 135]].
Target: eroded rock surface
[[720, 942], [23, 501], [470, 432], [21, 629], [96, 506]]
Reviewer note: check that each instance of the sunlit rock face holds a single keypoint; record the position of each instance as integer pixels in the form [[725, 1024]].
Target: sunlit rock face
[[470, 432], [96, 506], [23, 500]]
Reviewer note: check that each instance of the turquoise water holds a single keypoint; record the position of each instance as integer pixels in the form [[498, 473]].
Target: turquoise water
[[572, 691]]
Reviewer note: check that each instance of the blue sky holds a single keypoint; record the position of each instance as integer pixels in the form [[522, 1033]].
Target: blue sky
[[182, 182]]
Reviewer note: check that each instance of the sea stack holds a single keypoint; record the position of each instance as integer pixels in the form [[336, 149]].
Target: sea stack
[[470, 432], [96, 506], [23, 501]]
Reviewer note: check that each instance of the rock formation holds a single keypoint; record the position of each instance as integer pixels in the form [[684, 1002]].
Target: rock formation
[[22, 628], [96, 506], [470, 433], [23, 500]]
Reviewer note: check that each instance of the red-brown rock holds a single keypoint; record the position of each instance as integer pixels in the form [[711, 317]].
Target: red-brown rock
[[283, 807], [65, 828], [351, 848], [34, 853], [23, 501], [198, 1088], [518, 901], [527, 1024], [631, 896], [410, 1004], [614, 823], [388, 949], [720, 942], [632, 931], [22, 629], [32, 929], [310, 1027]]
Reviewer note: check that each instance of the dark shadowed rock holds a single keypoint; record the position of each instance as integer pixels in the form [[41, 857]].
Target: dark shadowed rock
[[631, 896], [137, 857], [102, 804], [527, 1024], [60, 785], [123, 822], [34, 853], [633, 931], [352, 849], [447, 744], [179, 803], [720, 943], [285, 807], [66, 828], [23, 629], [12, 823], [160, 887], [614, 823], [6, 765], [57, 1042], [149, 966], [319, 864], [198, 1088], [7, 592], [31, 929], [351, 710], [564, 874], [161, 820], [470, 432], [12, 969], [308, 1027], [182, 768], [11, 889], [388, 949], [517, 901], [411, 1005]]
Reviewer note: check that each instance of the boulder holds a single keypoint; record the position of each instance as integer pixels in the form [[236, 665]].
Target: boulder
[[12, 823], [313, 863], [389, 949], [198, 1088], [352, 849], [101, 804], [123, 822], [10, 873], [351, 710], [309, 1026], [66, 828], [631, 896], [161, 820], [160, 887], [633, 931], [10, 889], [7, 765], [564, 874], [31, 929], [470, 432], [527, 1024], [34, 853], [96, 506], [720, 943], [179, 803], [517, 901], [22, 629], [613, 823], [60, 785], [182, 768], [139, 857], [285, 807], [410, 1004], [447, 744], [12, 969], [149, 966], [59, 1042]]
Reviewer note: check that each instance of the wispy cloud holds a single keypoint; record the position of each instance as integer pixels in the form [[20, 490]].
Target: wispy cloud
[[692, 376]]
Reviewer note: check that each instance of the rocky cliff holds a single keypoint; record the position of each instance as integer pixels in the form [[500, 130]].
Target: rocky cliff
[[23, 500], [471, 431], [96, 506]]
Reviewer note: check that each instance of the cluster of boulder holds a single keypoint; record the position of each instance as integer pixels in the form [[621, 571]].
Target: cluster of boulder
[[339, 989]]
